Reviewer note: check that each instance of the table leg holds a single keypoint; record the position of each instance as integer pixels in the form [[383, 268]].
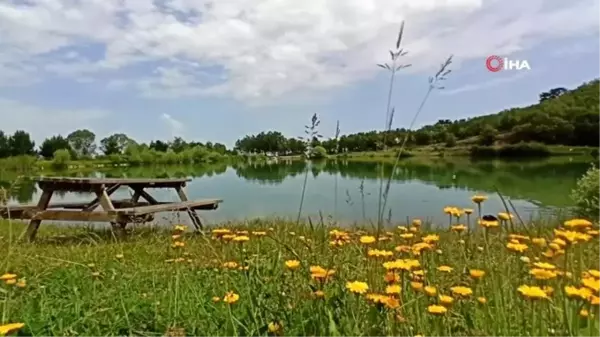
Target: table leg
[[192, 213], [42, 205], [102, 195], [94, 203]]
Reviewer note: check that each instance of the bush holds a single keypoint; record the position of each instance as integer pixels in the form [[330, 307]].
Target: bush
[[586, 194], [318, 152], [61, 158]]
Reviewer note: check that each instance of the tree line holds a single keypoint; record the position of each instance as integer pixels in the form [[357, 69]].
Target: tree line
[[81, 145], [561, 117]]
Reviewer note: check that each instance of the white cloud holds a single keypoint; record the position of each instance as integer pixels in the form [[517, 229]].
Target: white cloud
[[262, 49], [175, 127], [42, 123]]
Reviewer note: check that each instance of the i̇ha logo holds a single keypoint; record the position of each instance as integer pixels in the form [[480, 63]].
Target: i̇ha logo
[[496, 63]]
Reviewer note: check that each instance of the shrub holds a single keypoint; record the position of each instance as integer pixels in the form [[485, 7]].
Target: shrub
[[61, 158], [586, 194], [318, 152]]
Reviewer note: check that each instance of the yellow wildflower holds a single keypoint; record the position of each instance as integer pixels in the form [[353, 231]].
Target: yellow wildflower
[[505, 216], [393, 289], [478, 199], [241, 238], [431, 238], [482, 300], [292, 264], [532, 292], [8, 276], [445, 269], [517, 247], [458, 228], [476, 273], [446, 300], [430, 290], [542, 274], [357, 287], [367, 239], [577, 224], [10, 328], [461, 291], [544, 265], [231, 297], [436, 309]]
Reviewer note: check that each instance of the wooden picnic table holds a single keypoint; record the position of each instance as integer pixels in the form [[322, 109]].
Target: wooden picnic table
[[118, 212]]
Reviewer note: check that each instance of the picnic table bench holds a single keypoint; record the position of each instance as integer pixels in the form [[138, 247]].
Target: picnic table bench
[[119, 212]]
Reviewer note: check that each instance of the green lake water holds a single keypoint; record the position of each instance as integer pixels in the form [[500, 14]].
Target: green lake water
[[348, 191]]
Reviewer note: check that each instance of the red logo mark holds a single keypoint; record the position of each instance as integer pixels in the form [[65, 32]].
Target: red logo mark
[[494, 63]]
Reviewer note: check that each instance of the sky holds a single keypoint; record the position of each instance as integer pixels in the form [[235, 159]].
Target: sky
[[219, 70]]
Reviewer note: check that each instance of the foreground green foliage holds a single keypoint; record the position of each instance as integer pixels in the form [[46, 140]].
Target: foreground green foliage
[[278, 278], [586, 194]]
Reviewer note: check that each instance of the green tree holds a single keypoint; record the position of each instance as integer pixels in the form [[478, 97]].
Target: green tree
[[20, 144], [4, 145], [52, 144], [487, 137], [115, 144], [82, 142]]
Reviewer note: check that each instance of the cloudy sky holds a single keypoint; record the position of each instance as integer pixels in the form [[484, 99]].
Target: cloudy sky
[[217, 70]]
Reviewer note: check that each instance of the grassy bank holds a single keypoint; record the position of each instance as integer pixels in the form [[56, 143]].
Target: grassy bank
[[275, 277], [503, 152]]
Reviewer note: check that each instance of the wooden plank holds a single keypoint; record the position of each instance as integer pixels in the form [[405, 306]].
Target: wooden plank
[[34, 224], [68, 215], [208, 204], [192, 213], [69, 184], [139, 192], [117, 203]]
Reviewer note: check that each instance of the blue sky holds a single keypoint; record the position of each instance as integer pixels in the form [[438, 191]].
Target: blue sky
[[218, 70]]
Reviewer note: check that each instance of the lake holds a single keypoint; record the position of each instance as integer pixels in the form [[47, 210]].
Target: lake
[[348, 191]]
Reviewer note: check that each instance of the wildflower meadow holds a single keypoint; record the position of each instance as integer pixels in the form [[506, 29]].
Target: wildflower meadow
[[475, 275]]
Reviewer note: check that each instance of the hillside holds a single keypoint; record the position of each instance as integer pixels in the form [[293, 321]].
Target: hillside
[[561, 117]]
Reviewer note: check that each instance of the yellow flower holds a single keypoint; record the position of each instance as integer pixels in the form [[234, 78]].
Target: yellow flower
[[357, 287], [577, 224], [241, 238], [482, 300], [407, 235], [445, 269], [544, 265], [8, 276], [582, 293], [292, 264], [468, 210], [476, 273], [367, 239], [231, 297], [505, 216], [448, 210], [592, 283], [431, 238], [230, 265], [259, 233], [402, 228], [177, 244], [402, 264], [417, 248], [11, 281], [10, 328], [22, 283], [594, 272], [541, 242], [391, 302], [392, 289], [461, 291], [532, 292], [376, 298], [416, 222], [416, 285], [379, 253], [181, 228], [517, 247], [436, 309], [584, 313], [430, 290], [488, 223], [274, 327], [572, 236], [542, 274], [216, 299], [594, 300], [319, 294], [478, 199], [220, 231], [446, 300], [318, 272], [458, 228]]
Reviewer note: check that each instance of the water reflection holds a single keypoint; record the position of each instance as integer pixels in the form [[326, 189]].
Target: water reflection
[[547, 182]]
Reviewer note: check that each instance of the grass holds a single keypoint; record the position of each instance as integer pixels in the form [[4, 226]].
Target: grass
[[76, 281]]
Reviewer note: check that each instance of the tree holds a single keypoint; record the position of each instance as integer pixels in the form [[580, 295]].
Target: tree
[[61, 158], [450, 140], [487, 137], [20, 144], [553, 93], [115, 144], [4, 146], [82, 142], [52, 144], [159, 146]]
